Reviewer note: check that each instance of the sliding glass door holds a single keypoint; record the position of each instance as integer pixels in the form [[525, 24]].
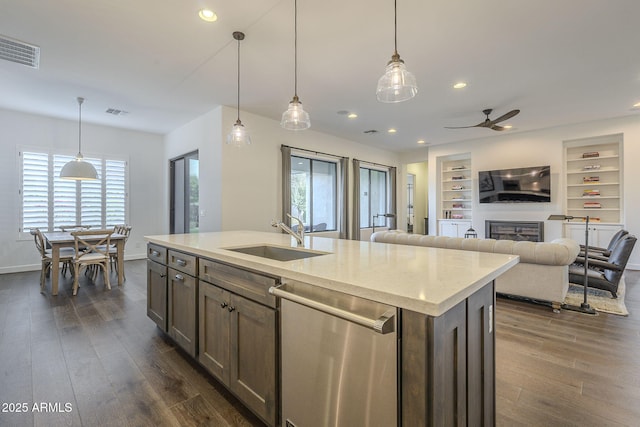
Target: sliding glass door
[[184, 203]]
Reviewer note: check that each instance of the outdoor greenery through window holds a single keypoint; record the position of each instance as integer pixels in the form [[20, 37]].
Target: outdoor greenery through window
[[373, 196], [314, 192], [49, 202]]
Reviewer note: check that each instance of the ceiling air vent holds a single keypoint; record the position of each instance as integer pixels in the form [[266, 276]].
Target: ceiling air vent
[[116, 112], [19, 52]]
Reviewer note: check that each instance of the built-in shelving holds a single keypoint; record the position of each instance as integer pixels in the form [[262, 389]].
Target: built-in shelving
[[456, 195], [593, 186]]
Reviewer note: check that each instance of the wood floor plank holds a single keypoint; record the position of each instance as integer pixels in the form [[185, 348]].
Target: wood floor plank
[[99, 352]]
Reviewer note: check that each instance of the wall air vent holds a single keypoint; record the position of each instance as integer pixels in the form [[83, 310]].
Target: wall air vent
[[116, 112], [19, 52]]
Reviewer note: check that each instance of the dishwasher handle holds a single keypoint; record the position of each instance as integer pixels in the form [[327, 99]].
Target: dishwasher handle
[[382, 325]]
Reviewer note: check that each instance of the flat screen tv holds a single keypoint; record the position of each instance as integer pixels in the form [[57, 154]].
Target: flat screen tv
[[517, 185]]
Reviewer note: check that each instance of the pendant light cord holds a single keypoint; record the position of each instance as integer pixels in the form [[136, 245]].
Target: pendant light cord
[[238, 104], [80, 101], [295, 48], [395, 26]]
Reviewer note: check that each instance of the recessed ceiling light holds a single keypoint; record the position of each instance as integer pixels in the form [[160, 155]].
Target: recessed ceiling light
[[392, 130], [422, 141], [636, 105], [459, 85], [507, 126], [207, 15], [352, 115]]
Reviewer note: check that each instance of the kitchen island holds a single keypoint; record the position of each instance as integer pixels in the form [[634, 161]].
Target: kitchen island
[[443, 299]]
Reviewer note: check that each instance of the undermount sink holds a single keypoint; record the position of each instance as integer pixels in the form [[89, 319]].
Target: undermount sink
[[277, 253]]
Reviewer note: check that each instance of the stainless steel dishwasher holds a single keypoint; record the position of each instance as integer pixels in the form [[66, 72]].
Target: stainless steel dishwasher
[[339, 359]]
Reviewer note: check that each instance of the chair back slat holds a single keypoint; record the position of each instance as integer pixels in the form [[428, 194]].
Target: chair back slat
[[38, 238], [92, 241]]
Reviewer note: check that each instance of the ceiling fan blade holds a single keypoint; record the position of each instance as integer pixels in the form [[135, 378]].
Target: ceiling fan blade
[[466, 127], [496, 127], [506, 116]]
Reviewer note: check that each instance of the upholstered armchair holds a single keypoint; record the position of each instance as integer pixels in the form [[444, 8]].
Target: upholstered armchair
[[604, 253], [603, 274]]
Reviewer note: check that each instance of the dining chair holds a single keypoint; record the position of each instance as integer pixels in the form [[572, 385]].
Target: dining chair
[[91, 249], [124, 230], [46, 258]]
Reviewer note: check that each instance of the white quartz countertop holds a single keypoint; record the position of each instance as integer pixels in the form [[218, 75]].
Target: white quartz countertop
[[421, 279]]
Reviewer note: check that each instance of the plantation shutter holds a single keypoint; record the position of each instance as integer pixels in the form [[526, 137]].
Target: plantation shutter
[[90, 210], [35, 191], [115, 192], [64, 195]]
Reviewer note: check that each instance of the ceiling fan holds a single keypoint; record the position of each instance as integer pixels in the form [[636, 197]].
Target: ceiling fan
[[488, 123]]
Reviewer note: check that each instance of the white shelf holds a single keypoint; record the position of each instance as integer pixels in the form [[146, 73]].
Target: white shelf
[[609, 174], [447, 197]]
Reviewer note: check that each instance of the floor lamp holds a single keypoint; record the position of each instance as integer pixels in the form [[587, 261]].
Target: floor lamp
[[385, 215], [584, 307]]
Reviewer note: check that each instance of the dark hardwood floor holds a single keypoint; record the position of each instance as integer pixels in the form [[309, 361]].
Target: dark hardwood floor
[[96, 359]]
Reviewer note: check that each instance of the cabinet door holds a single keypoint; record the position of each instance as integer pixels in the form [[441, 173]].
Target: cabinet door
[[183, 317], [448, 229], [157, 293], [253, 356], [214, 326], [599, 235]]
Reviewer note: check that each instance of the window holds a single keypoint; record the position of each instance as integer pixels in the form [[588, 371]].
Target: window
[[49, 202], [373, 196], [314, 193]]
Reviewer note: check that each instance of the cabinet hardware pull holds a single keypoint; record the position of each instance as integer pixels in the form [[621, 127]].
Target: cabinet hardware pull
[[231, 308], [179, 277], [155, 253], [162, 276], [181, 262], [491, 318], [223, 304]]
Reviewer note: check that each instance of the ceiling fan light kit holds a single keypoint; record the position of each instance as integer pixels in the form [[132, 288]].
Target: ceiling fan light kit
[[488, 123], [239, 136], [397, 84], [295, 118], [79, 169]]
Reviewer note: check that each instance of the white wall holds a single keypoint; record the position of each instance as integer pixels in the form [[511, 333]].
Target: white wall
[[243, 185], [202, 134], [146, 197], [543, 147]]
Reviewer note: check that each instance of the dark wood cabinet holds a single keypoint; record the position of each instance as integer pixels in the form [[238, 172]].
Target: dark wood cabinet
[[453, 355], [157, 293], [238, 345], [183, 309]]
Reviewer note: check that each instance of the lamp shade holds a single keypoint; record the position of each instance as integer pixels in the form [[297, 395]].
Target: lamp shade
[[239, 136], [397, 84], [295, 118], [79, 170]]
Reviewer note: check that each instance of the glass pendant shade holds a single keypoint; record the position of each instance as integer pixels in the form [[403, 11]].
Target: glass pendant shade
[[239, 136], [397, 84], [295, 118], [78, 169]]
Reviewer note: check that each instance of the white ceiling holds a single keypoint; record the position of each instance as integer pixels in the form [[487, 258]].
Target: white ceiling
[[558, 61]]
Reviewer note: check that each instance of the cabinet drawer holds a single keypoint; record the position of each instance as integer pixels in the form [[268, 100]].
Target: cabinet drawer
[[157, 253], [182, 262], [242, 282]]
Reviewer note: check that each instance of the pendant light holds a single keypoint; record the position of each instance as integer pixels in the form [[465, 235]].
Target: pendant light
[[239, 136], [295, 118], [397, 84], [78, 169]]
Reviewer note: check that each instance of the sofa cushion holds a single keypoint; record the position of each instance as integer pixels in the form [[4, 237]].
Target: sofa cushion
[[557, 252]]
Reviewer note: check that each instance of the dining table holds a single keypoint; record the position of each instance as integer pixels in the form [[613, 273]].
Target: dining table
[[64, 239]]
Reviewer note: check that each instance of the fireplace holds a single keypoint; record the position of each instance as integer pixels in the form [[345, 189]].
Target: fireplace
[[532, 231]]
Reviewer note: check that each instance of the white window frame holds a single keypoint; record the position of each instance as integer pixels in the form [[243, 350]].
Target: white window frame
[[25, 234]]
